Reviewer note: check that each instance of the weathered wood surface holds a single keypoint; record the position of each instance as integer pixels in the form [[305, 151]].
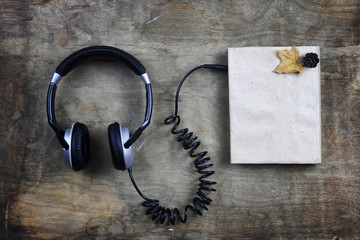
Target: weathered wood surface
[[42, 199]]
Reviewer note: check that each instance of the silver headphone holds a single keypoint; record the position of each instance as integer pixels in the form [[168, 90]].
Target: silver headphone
[[75, 140]]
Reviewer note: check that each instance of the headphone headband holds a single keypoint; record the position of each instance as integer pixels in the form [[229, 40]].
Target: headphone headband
[[77, 58]]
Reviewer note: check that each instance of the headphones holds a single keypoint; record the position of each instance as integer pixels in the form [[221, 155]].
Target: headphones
[[75, 140]]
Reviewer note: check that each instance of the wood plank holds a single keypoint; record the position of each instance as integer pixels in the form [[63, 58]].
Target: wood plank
[[41, 198]]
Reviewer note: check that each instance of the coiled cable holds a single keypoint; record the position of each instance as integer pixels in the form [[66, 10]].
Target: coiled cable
[[201, 200]]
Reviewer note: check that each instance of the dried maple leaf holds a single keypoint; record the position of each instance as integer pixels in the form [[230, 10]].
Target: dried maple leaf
[[289, 61]]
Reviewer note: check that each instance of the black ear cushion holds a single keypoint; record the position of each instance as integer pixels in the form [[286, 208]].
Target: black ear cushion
[[116, 146], [79, 146]]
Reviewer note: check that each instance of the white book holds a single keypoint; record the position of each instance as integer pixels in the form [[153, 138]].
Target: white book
[[274, 118]]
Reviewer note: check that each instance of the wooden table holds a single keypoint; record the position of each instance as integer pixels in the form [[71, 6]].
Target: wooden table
[[41, 198]]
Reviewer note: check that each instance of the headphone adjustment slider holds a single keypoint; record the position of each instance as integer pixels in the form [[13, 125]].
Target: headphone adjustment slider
[[145, 78], [56, 78]]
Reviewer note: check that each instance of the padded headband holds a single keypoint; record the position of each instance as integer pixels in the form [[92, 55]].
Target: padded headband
[[77, 58]]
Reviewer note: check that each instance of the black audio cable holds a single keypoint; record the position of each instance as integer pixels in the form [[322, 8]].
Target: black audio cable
[[201, 162]]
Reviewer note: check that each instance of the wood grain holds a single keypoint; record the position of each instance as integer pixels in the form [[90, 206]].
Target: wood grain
[[40, 198]]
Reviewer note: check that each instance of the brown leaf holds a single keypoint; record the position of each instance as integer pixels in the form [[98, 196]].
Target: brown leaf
[[289, 61]]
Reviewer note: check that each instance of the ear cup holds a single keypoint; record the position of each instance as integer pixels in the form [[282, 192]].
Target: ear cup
[[116, 146], [79, 146]]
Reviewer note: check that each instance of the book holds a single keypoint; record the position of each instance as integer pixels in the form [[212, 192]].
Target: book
[[274, 118]]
